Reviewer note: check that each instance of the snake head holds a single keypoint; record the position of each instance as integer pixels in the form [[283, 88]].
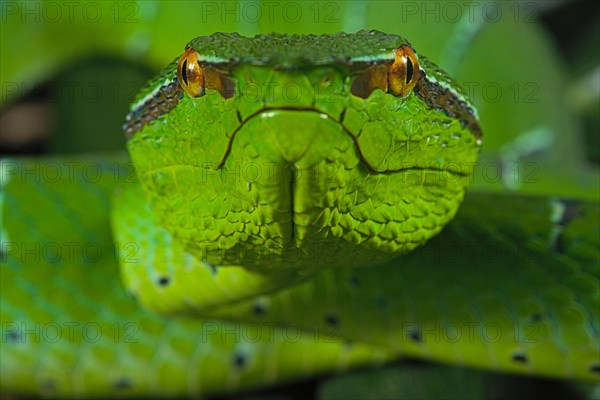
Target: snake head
[[302, 151]]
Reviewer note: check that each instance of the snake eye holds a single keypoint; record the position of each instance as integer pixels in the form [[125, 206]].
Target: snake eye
[[195, 77], [404, 72], [398, 79], [190, 73]]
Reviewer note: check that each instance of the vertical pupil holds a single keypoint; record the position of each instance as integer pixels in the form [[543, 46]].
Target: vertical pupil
[[409, 70], [184, 71]]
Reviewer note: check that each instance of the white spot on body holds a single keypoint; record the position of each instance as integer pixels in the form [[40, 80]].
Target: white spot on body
[[268, 114], [558, 211], [557, 214], [7, 171]]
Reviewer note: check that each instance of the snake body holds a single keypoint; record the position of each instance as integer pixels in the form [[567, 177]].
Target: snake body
[[308, 264]]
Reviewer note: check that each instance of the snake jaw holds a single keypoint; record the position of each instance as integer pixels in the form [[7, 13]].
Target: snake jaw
[[294, 191]]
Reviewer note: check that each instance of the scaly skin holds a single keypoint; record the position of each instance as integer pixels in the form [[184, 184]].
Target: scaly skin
[[494, 288], [520, 299], [69, 328]]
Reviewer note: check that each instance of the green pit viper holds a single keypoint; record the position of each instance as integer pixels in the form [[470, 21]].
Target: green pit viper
[[272, 228]]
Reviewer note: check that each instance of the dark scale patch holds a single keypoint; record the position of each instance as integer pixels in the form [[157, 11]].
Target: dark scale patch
[[13, 336], [442, 99], [342, 116], [164, 280], [332, 319], [131, 294], [122, 383], [163, 101], [382, 302], [519, 357], [415, 336], [595, 368], [353, 280], [535, 318], [240, 360], [213, 268], [259, 309]]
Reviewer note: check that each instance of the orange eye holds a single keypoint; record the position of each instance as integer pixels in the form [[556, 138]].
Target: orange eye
[[404, 72], [398, 79], [190, 73]]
